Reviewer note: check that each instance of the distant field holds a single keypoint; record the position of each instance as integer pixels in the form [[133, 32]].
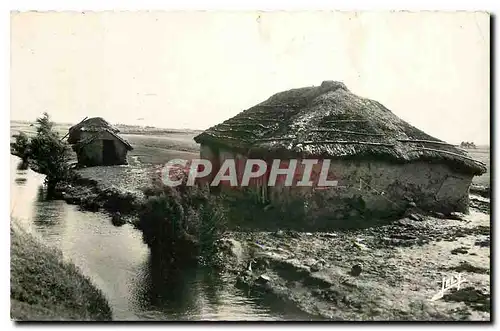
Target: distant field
[[482, 154], [62, 128], [158, 149], [151, 145], [157, 145], [29, 128]]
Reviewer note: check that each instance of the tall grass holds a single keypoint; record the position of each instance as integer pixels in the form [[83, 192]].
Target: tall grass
[[181, 224], [44, 287]]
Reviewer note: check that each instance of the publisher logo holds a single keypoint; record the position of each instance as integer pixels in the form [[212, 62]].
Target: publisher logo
[[448, 283], [245, 172]]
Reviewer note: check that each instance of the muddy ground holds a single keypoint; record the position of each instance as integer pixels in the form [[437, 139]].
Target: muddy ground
[[389, 272]]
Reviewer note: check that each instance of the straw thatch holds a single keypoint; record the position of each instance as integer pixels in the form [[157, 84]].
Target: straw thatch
[[330, 121], [94, 124], [89, 140]]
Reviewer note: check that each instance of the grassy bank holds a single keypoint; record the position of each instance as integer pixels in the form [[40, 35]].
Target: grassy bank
[[44, 287]]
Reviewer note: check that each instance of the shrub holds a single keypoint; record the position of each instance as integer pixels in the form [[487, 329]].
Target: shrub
[[48, 154], [20, 146], [181, 224], [247, 212], [44, 125]]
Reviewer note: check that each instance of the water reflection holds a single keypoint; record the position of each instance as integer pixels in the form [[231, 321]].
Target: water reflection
[[194, 294], [48, 212], [119, 264], [22, 165], [168, 293], [214, 285], [20, 181]]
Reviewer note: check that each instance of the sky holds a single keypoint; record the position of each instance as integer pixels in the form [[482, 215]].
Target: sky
[[196, 69]]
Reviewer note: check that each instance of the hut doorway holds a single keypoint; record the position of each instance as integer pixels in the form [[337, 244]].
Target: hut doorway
[[109, 155]]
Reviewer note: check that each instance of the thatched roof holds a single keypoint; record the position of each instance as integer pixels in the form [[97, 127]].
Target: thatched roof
[[83, 142], [94, 124], [330, 121]]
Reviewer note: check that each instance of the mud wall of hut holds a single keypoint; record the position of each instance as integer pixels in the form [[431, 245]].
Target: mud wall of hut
[[381, 189], [121, 150], [91, 153], [364, 188]]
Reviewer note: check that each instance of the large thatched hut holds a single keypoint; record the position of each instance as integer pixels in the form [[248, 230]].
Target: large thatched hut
[[96, 143], [382, 163]]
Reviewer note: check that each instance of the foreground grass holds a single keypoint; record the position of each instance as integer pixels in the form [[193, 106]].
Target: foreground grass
[[44, 287]]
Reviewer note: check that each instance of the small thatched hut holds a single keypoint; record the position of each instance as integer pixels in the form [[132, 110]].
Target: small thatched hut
[[381, 162], [96, 143]]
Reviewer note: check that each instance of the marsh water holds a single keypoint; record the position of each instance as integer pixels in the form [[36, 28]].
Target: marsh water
[[117, 261]]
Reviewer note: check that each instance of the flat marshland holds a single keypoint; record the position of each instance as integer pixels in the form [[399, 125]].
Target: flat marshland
[[151, 146], [482, 153]]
